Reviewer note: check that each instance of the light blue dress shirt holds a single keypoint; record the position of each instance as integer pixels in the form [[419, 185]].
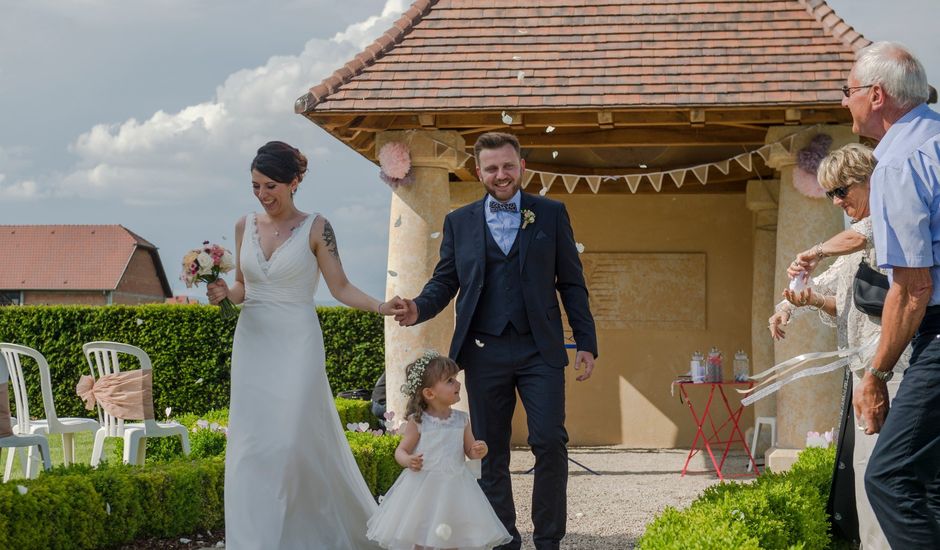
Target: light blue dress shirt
[[905, 195], [504, 226]]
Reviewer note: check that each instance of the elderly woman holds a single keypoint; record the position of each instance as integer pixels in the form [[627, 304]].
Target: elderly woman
[[844, 174]]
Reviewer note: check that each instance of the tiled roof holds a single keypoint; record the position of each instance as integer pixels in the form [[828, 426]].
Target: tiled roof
[[69, 257], [485, 54]]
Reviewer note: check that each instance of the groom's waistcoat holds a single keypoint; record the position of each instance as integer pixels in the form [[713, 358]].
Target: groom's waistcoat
[[501, 300]]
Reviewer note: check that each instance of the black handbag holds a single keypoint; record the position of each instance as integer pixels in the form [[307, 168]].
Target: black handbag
[[869, 289]]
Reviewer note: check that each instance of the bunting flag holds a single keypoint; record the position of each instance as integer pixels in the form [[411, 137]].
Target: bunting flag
[[633, 181], [527, 177], [744, 160], [657, 180], [594, 182], [570, 182], [547, 179], [677, 176]]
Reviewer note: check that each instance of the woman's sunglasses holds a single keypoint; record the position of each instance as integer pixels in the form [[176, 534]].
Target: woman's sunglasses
[[840, 192]]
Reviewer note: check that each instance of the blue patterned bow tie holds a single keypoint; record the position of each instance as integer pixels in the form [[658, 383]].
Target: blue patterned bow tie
[[502, 206]]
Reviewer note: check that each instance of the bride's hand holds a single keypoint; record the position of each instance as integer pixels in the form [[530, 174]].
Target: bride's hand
[[217, 291]]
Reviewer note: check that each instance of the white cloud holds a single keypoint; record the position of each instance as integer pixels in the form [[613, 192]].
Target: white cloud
[[21, 190], [198, 151]]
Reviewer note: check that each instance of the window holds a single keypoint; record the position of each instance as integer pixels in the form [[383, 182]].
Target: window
[[10, 298]]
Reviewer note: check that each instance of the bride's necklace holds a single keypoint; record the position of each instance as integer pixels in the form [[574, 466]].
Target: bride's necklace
[[277, 232]]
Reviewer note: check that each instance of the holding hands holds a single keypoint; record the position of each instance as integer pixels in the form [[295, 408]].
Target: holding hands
[[406, 312]]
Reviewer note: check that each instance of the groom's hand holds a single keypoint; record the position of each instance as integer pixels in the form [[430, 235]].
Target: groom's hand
[[408, 315], [587, 358]]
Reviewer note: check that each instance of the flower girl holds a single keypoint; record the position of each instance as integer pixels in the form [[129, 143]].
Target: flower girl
[[436, 502]]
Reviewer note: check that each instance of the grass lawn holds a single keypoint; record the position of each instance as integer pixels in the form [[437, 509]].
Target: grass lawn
[[84, 442]]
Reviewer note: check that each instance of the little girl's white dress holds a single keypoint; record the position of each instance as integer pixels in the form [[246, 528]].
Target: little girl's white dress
[[441, 506]]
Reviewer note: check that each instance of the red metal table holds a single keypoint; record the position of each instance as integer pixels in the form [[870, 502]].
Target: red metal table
[[707, 417]]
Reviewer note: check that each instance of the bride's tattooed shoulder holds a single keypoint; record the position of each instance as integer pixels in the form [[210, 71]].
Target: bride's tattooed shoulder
[[329, 237]]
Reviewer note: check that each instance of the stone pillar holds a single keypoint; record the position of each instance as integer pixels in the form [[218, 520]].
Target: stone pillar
[[415, 232], [810, 404], [762, 199]]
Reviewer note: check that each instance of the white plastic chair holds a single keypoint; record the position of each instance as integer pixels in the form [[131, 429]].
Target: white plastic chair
[[18, 441], [103, 359], [52, 424], [758, 422]]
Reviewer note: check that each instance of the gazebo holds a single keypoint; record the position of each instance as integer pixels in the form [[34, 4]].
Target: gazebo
[[670, 129]]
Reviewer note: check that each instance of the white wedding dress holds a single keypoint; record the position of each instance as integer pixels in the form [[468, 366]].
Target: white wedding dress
[[291, 481]]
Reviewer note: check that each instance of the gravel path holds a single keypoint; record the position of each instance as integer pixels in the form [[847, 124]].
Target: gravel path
[[610, 511]]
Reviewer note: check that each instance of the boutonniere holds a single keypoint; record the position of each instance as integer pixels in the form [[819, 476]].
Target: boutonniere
[[528, 217]]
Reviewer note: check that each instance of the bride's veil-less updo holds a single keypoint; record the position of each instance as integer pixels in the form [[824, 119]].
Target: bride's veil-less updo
[[280, 162]]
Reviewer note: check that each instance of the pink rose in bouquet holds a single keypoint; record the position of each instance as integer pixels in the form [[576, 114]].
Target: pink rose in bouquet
[[207, 264]]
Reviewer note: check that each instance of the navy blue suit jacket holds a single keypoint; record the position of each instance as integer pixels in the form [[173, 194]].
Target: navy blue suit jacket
[[549, 266]]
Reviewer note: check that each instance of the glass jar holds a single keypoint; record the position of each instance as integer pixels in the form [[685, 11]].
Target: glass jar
[[742, 369], [713, 366], [697, 369]]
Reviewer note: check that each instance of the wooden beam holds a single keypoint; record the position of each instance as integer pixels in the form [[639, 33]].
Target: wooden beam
[[792, 116], [697, 118], [645, 137], [426, 120], [605, 119]]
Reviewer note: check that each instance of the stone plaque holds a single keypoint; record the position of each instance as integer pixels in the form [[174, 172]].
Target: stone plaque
[[646, 290]]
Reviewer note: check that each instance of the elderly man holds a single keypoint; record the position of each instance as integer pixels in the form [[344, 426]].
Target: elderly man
[[886, 93]]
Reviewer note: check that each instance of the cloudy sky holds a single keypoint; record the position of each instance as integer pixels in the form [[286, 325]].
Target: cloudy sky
[[147, 113]]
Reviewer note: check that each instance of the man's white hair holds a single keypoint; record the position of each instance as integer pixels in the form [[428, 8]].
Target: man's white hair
[[896, 70]]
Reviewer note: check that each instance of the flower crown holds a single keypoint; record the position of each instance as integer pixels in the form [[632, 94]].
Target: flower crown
[[416, 373]]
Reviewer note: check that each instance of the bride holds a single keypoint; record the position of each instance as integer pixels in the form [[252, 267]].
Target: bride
[[291, 481]]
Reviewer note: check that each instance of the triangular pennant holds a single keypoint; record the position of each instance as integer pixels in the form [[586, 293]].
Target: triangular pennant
[[787, 142], [463, 158], [594, 182], [570, 182], [745, 161], [440, 149], [633, 181], [778, 149], [764, 152], [723, 166], [677, 176], [656, 178], [547, 179], [701, 172], [526, 178]]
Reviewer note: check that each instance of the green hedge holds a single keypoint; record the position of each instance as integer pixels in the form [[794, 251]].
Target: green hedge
[[80, 507], [189, 345], [786, 510], [68, 507]]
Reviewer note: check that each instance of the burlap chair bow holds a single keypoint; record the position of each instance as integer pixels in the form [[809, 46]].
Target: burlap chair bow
[[126, 395]]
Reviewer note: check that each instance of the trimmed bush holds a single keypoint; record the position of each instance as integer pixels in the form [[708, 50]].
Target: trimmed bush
[[786, 510], [190, 346], [80, 507]]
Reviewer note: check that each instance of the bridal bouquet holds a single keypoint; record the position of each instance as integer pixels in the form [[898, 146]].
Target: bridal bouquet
[[206, 265]]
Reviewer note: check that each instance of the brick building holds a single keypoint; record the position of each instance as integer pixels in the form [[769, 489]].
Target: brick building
[[79, 264]]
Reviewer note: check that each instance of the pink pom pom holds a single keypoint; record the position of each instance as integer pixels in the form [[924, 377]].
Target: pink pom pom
[[395, 160], [807, 184]]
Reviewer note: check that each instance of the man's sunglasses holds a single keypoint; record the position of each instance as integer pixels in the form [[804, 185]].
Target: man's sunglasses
[[840, 192]]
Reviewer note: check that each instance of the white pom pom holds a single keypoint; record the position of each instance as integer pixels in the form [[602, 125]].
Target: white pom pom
[[443, 531]]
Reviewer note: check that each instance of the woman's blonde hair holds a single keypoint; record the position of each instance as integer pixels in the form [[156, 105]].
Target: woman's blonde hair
[[850, 164], [424, 373]]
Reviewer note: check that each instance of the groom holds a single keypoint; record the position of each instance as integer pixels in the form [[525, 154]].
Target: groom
[[509, 255]]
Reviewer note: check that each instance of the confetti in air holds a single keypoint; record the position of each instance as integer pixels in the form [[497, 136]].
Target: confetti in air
[[393, 273], [398, 222], [580, 247], [549, 129], [436, 234], [507, 118], [543, 191], [478, 343], [554, 154]]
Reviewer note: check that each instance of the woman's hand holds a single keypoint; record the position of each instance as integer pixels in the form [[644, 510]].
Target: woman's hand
[[217, 291], [776, 321], [478, 450], [802, 298], [415, 462]]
